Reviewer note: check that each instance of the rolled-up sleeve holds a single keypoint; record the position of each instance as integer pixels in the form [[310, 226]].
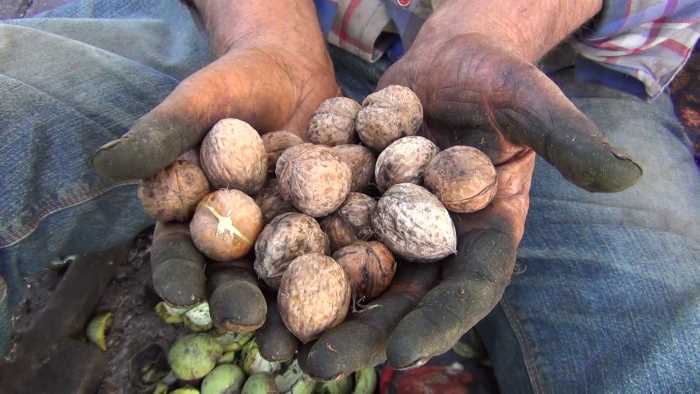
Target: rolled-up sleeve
[[650, 40]]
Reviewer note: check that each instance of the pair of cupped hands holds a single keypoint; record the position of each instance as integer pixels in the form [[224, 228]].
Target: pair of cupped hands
[[478, 87]]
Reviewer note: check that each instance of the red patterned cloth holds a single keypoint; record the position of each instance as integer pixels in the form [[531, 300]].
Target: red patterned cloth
[[685, 91]]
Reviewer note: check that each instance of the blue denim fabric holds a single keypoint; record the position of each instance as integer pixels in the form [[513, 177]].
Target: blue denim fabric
[[70, 81], [607, 293]]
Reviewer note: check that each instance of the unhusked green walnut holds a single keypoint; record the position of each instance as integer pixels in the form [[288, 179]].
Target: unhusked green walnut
[[193, 356], [285, 238], [351, 222], [361, 161], [186, 390], [404, 161], [233, 156], [253, 362], [370, 266], [173, 193], [314, 295], [388, 115], [316, 182], [224, 379], [177, 267], [333, 123], [226, 224], [271, 202], [277, 142], [260, 383], [463, 178], [414, 224]]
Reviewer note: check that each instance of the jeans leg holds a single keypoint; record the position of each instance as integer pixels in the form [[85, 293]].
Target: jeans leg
[[71, 81], [606, 297]]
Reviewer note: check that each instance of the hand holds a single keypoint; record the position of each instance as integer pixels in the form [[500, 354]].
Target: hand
[[482, 90], [272, 71]]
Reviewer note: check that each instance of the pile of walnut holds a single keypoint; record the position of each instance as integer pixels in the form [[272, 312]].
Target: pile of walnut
[[323, 217]]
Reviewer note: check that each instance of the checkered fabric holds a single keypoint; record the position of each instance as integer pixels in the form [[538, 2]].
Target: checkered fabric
[[649, 40]]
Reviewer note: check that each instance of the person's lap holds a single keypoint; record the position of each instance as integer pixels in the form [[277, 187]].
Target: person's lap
[[606, 296]]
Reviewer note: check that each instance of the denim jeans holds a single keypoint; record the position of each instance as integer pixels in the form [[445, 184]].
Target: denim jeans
[[606, 297]]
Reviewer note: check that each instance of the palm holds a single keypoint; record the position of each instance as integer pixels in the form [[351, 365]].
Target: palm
[[474, 93]]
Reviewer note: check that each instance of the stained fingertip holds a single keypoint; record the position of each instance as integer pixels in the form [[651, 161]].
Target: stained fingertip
[[238, 305], [414, 340], [151, 144], [593, 165], [275, 341], [344, 349]]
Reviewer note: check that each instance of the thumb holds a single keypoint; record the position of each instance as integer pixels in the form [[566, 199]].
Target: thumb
[[231, 86]]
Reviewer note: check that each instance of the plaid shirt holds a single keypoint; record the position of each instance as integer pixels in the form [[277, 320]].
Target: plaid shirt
[[650, 40]]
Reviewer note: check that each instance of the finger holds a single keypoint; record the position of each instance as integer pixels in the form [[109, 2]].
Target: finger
[[360, 341], [177, 267], [473, 281], [565, 137], [229, 87], [480, 86], [275, 341], [236, 301]]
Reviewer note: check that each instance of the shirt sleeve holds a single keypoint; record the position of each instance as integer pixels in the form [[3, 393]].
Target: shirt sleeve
[[650, 40]]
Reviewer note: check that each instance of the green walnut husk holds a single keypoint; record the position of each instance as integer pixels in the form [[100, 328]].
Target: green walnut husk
[[291, 375], [233, 341], [338, 386], [161, 388], [224, 379], [260, 383], [151, 374], [198, 319], [97, 329], [170, 314], [253, 362], [294, 380], [227, 358], [185, 390], [193, 356], [305, 385], [365, 381]]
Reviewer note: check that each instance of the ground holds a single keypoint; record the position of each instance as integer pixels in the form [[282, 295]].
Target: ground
[[137, 338]]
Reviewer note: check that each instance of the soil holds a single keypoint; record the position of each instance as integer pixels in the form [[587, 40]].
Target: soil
[[138, 339]]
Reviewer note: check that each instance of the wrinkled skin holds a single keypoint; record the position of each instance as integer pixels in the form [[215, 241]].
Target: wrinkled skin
[[485, 97]]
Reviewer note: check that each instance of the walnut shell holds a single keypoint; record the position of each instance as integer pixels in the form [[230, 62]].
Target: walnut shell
[[173, 193], [233, 156], [404, 161], [290, 154], [463, 178], [271, 202], [388, 115], [351, 222], [316, 182], [277, 142], [226, 224], [370, 266], [314, 295], [333, 123], [361, 161], [413, 224], [285, 238]]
